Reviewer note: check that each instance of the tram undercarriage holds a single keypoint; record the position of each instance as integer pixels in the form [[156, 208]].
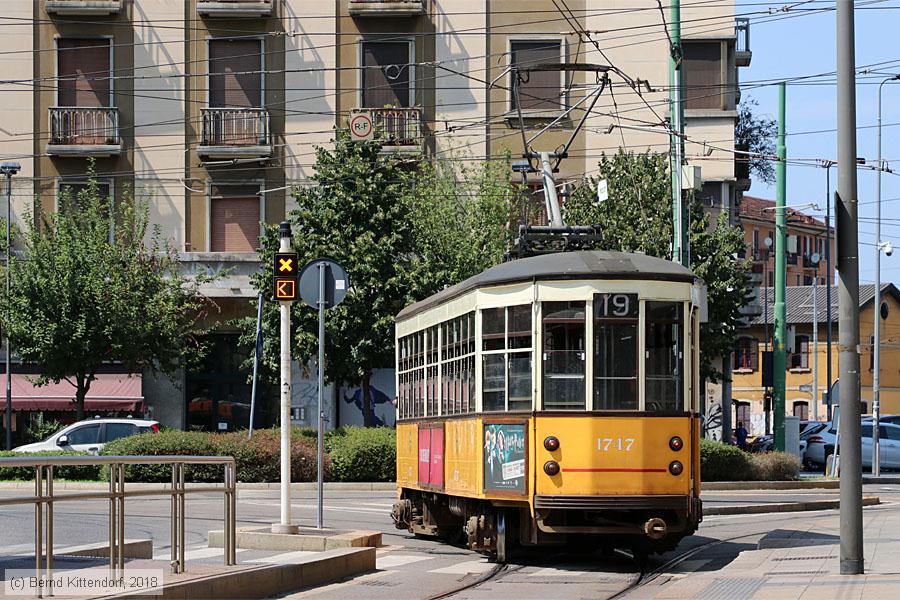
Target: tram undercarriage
[[642, 524]]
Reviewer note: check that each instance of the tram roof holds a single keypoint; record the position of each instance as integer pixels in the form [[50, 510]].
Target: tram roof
[[587, 264]]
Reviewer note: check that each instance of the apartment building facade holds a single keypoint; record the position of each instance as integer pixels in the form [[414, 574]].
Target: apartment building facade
[[211, 111]]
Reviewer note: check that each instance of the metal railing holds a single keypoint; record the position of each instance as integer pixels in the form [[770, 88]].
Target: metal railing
[[742, 34], [84, 126], [44, 497], [398, 126], [235, 127]]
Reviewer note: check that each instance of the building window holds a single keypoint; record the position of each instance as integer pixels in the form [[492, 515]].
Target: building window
[[755, 242], [563, 355], [539, 90], [771, 279], [704, 75], [73, 194], [235, 73], [800, 356], [801, 409], [615, 352], [234, 217], [742, 414], [387, 74], [665, 356], [746, 355], [82, 64], [506, 358]]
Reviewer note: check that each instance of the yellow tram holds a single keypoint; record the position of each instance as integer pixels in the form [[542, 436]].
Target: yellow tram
[[551, 400]]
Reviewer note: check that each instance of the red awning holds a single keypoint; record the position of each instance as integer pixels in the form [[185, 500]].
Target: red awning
[[109, 392]]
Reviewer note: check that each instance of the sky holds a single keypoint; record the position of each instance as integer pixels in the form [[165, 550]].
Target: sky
[[804, 45]]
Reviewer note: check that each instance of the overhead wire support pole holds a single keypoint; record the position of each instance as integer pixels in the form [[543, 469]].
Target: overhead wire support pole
[[779, 358], [680, 240], [879, 248], [851, 533], [829, 271]]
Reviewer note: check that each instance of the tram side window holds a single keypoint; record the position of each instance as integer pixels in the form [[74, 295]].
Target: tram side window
[[506, 359], [563, 355], [665, 356], [458, 365], [615, 352]]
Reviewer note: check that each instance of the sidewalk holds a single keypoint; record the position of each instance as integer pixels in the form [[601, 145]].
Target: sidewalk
[[801, 565]]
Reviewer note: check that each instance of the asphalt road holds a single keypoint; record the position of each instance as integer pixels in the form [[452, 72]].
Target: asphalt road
[[417, 568]]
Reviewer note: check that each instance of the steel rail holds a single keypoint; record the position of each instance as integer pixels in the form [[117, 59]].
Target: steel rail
[[44, 499]]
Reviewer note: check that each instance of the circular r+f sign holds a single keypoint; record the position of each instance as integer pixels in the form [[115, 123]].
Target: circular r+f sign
[[361, 128]]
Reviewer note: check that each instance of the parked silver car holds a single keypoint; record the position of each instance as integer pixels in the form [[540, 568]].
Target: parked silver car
[[822, 443], [91, 435]]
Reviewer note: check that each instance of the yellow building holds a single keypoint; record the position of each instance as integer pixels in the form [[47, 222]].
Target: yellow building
[[804, 361]]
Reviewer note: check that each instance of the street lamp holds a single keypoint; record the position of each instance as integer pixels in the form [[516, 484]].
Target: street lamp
[[9, 169], [879, 248]]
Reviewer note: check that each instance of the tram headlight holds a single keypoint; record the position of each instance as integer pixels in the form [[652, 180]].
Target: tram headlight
[[676, 443], [551, 468], [676, 468], [551, 443]]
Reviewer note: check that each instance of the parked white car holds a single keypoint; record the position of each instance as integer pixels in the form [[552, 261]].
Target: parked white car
[[91, 435], [821, 444]]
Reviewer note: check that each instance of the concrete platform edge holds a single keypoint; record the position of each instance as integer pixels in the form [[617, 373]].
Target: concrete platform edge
[[752, 509], [256, 539]]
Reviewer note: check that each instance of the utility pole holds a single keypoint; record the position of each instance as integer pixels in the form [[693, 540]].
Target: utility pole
[[779, 359], [880, 247], [851, 532], [828, 271], [815, 324], [681, 251], [9, 169], [285, 526]]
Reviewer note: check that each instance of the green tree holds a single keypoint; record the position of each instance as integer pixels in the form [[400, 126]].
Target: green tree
[[402, 229], [95, 286], [637, 217], [756, 134]]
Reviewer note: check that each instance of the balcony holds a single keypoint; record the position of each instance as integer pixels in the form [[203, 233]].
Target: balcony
[[742, 167], [742, 53], [398, 129], [809, 264], [236, 8], [84, 131], [226, 274], [792, 258], [387, 8], [83, 7], [235, 133]]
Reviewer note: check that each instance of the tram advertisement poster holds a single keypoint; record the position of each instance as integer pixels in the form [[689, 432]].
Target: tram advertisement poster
[[504, 457]]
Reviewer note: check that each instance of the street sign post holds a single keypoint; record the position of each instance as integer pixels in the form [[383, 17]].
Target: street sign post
[[323, 284], [362, 128], [285, 288]]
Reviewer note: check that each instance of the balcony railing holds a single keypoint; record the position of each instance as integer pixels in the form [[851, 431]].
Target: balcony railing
[[742, 53], [387, 8], [397, 127], [83, 7], [792, 258], [809, 264], [82, 131], [235, 132], [235, 8]]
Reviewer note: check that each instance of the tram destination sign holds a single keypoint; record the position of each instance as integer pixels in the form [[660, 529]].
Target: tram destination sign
[[615, 306]]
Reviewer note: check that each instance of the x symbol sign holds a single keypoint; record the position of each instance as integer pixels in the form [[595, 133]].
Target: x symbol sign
[[286, 264]]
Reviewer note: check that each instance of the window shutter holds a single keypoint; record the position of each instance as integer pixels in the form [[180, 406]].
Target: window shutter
[[702, 66], [754, 354], [541, 90], [385, 76], [235, 75], [84, 75], [234, 216]]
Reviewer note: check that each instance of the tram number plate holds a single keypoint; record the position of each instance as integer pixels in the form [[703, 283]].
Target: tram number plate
[[615, 444]]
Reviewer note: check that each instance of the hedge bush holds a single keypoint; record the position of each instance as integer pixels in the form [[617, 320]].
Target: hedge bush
[[723, 462], [256, 460], [74, 472], [775, 466], [363, 454]]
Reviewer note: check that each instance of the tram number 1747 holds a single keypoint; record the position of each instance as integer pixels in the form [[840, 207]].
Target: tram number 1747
[[619, 444]]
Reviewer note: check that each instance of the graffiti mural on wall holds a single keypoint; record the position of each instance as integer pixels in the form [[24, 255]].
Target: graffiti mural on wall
[[381, 389]]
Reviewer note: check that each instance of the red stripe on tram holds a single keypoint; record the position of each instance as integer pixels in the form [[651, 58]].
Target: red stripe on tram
[[614, 470]]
